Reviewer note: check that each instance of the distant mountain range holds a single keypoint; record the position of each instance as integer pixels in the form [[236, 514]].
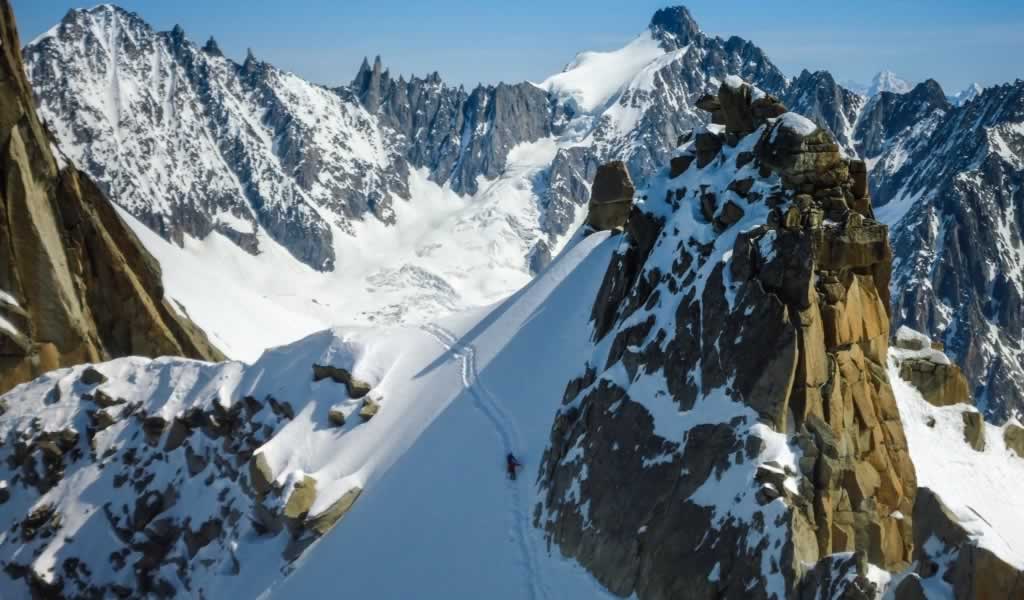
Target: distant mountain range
[[391, 199]]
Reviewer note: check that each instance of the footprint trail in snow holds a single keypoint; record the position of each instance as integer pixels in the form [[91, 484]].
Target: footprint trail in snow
[[506, 429]]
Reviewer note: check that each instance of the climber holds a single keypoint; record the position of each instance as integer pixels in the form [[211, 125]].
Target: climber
[[511, 464]]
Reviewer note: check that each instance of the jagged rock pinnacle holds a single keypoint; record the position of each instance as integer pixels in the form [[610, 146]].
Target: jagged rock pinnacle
[[677, 22], [212, 48]]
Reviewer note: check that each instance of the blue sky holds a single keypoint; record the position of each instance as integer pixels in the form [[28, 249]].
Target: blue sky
[[955, 42]]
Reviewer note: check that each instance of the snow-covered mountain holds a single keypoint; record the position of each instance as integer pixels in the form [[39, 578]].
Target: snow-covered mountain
[[429, 199], [954, 200], [967, 94], [711, 410], [887, 81], [385, 201]]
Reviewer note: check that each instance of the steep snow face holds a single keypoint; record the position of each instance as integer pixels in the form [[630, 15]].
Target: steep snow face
[[593, 78], [150, 465]]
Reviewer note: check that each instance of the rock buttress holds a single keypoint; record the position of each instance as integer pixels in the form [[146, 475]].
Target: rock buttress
[[735, 424], [77, 284]]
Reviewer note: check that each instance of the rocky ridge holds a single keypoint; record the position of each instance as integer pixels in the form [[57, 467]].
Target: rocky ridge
[[185, 463], [767, 234], [67, 257], [782, 471]]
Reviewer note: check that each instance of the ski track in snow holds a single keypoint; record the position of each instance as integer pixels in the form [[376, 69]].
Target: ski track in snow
[[506, 429]]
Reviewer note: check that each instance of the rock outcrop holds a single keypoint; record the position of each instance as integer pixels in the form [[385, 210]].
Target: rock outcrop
[[76, 285], [941, 382], [1013, 437], [357, 388], [611, 197], [728, 337]]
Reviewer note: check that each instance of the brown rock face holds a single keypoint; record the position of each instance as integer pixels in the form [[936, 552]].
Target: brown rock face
[[1013, 435], [85, 289], [788, 319], [940, 382], [611, 196], [974, 430]]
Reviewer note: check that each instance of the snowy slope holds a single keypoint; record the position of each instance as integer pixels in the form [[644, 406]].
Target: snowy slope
[[985, 490], [452, 402], [444, 254], [590, 81]]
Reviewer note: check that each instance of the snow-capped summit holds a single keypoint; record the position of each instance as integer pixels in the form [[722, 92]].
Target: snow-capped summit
[[887, 81], [967, 94]]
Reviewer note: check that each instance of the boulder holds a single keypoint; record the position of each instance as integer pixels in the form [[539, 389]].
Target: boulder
[[194, 461], [944, 549], [369, 409], [792, 219], [103, 418], [974, 430], [1013, 435], [153, 426], [979, 574], [679, 164], [177, 434], [909, 588], [731, 214], [708, 206], [742, 186], [708, 103], [357, 388], [707, 145], [611, 196], [941, 384], [104, 400], [908, 339], [301, 499], [90, 376], [858, 178], [766, 107], [735, 101], [261, 477], [336, 417], [323, 522]]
